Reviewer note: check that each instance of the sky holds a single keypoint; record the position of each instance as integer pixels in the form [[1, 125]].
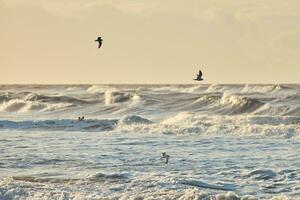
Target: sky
[[149, 41]]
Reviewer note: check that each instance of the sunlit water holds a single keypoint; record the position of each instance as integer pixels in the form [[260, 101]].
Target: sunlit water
[[224, 142]]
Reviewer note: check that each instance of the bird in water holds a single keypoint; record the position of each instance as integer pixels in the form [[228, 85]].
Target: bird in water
[[99, 40], [165, 156], [199, 76]]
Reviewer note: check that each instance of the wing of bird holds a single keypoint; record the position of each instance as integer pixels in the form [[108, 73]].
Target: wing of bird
[[200, 73]]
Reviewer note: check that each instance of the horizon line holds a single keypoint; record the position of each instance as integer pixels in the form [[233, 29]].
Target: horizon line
[[209, 83]]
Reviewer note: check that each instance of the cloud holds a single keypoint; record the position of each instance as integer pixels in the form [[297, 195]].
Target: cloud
[[71, 8], [253, 10], [256, 10]]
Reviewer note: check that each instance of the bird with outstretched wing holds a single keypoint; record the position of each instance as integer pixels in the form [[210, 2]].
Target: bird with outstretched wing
[[99, 40], [199, 76]]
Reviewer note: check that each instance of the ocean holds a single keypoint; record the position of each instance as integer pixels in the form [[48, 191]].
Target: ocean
[[225, 142]]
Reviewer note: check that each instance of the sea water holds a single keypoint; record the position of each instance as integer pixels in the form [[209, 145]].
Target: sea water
[[224, 142]]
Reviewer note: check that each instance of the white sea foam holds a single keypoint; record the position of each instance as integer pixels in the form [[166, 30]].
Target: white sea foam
[[189, 123], [34, 189], [180, 124]]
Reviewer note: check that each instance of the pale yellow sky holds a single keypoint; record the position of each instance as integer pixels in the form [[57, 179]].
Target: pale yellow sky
[[149, 41]]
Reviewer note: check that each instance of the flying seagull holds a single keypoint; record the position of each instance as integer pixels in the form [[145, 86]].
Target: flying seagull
[[199, 76], [99, 39]]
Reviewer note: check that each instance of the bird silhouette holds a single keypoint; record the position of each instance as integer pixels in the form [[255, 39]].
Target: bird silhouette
[[99, 40], [199, 76]]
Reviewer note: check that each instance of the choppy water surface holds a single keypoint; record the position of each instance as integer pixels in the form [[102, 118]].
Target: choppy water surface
[[224, 142]]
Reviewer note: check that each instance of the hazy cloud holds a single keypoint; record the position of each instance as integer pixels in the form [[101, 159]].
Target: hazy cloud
[[146, 39]]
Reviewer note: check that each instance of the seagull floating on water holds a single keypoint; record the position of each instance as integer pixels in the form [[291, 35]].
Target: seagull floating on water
[[165, 156]]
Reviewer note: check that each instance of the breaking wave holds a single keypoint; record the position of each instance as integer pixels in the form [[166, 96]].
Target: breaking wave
[[190, 123], [182, 123], [213, 99], [19, 105], [227, 104], [54, 99], [113, 97], [266, 110], [26, 102], [241, 104]]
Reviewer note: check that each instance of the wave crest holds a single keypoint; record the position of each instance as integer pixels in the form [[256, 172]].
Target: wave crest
[[241, 104], [134, 119], [112, 97], [191, 123], [19, 105], [58, 98]]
